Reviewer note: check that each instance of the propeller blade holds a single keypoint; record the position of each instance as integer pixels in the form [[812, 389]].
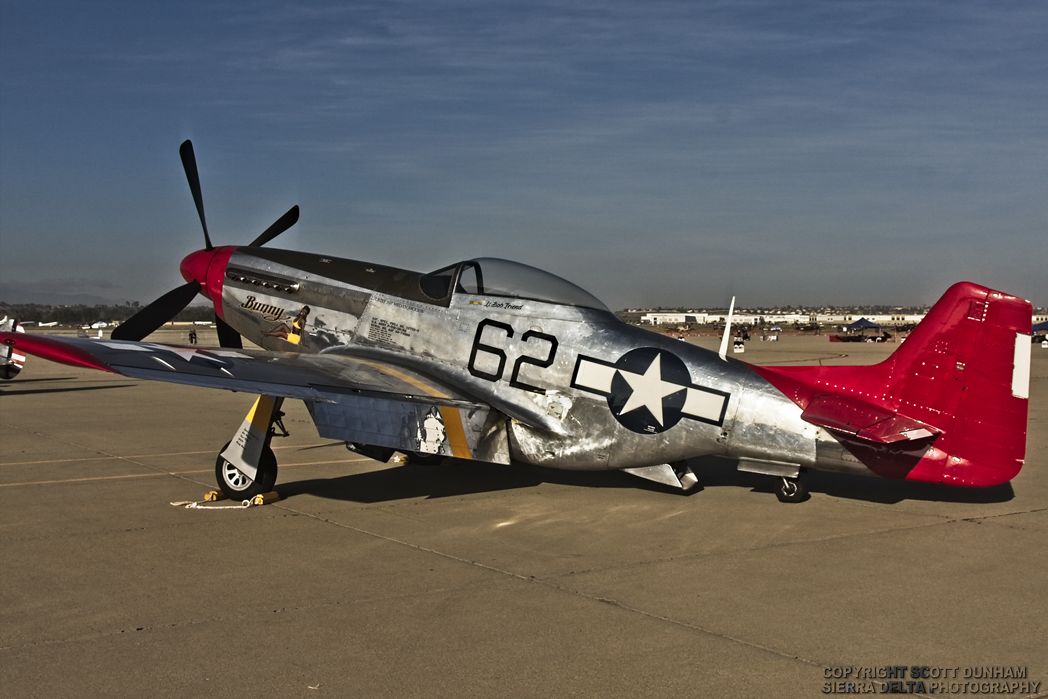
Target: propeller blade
[[190, 166], [227, 336], [286, 221], [157, 313]]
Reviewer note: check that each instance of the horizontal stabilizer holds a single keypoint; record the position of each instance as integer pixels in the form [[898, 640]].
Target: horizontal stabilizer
[[865, 421]]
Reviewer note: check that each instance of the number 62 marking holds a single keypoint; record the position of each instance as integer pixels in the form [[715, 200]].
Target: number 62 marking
[[514, 378]]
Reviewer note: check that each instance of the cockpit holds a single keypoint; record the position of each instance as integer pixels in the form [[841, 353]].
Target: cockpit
[[490, 276]]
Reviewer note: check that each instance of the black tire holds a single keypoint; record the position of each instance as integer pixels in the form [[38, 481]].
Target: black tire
[[237, 486], [791, 490]]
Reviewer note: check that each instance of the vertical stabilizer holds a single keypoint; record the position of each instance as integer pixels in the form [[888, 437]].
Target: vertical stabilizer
[[965, 371]]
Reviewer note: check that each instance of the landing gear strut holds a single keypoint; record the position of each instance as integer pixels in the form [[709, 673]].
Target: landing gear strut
[[792, 489], [246, 466]]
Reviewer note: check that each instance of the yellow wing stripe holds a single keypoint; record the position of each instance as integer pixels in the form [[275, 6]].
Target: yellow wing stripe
[[456, 433], [452, 416], [406, 378]]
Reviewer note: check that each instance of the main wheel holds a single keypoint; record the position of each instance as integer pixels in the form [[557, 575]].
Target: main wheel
[[791, 490], [236, 485]]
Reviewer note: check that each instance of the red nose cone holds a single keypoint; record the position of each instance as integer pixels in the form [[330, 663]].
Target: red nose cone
[[208, 268], [194, 266]]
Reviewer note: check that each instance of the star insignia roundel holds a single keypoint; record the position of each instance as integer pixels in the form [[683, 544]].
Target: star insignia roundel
[[649, 390]]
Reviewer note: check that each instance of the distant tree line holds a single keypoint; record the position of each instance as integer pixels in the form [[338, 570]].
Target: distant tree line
[[80, 314]]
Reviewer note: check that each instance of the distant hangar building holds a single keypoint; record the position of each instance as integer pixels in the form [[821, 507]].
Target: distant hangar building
[[750, 317], [675, 318], [740, 317]]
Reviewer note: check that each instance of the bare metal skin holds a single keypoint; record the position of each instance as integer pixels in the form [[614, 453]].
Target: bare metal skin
[[563, 426]]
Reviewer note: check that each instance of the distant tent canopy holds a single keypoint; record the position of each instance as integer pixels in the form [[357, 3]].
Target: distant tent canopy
[[863, 324], [1041, 327]]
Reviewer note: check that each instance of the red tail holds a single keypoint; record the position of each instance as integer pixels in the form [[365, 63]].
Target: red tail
[[963, 373]]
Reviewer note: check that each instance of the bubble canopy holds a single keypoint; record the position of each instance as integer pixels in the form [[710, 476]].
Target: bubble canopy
[[491, 276]]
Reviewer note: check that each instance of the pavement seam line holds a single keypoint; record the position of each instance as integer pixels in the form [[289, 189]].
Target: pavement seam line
[[980, 518], [210, 619], [547, 584], [688, 625], [129, 459], [550, 584], [762, 547], [150, 456], [940, 521], [131, 476]]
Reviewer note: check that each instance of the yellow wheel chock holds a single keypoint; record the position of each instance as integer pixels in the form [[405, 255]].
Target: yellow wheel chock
[[261, 499], [265, 498], [213, 496]]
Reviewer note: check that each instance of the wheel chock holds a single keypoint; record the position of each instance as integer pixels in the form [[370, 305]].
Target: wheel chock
[[265, 498], [216, 495]]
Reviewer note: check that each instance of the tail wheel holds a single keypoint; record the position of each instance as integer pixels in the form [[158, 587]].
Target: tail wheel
[[236, 485], [791, 490]]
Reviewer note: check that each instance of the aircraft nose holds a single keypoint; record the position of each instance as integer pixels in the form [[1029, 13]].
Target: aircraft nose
[[194, 266], [208, 268]]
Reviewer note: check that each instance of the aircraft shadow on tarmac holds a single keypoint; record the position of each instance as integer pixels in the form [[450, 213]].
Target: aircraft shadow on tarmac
[[49, 378], [5, 391], [465, 478], [443, 480], [716, 472]]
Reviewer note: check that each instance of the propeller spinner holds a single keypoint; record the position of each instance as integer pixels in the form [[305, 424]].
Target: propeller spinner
[[201, 269]]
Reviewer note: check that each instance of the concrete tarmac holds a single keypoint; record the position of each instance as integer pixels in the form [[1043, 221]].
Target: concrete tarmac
[[369, 579]]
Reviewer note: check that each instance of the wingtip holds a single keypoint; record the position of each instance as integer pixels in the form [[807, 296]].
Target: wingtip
[[53, 349]]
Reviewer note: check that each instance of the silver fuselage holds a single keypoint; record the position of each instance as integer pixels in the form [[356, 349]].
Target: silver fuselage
[[537, 362]]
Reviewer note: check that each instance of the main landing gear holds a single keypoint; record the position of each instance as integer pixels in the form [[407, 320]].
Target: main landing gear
[[792, 489], [246, 465], [237, 485]]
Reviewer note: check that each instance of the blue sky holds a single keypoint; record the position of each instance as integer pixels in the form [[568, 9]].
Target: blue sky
[[659, 152]]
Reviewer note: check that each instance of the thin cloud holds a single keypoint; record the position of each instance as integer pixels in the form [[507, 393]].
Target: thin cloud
[[681, 147]]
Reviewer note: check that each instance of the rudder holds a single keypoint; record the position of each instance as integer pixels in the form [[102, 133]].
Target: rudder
[[966, 369]]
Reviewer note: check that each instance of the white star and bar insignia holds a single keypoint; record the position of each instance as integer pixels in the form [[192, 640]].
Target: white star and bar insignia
[[650, 390], [187, 354]]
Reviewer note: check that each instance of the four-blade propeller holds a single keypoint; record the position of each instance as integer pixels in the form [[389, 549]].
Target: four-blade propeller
[[170, 304]]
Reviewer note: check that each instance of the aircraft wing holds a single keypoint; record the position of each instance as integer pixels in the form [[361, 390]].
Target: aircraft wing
[[352, 398], [291, 375]]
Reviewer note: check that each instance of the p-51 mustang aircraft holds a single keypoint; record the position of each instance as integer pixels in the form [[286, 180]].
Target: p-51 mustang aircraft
[[500, 362]]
